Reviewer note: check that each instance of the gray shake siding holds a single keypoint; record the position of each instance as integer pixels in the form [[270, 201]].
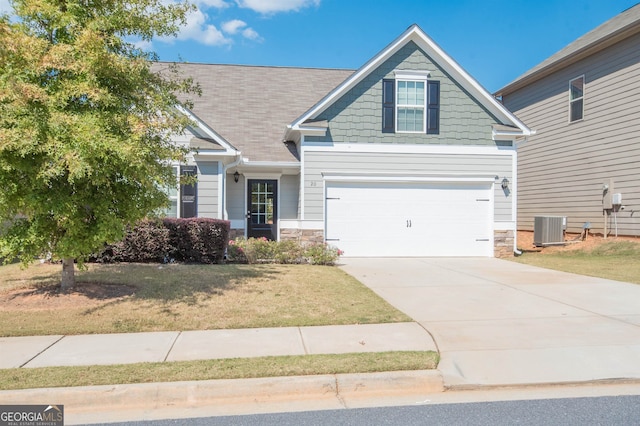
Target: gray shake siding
[[562, 169], [357, 116], [318, 162], [208, 189]]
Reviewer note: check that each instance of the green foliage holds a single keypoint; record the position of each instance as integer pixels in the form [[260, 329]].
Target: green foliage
[[261, 250], [85, 123]]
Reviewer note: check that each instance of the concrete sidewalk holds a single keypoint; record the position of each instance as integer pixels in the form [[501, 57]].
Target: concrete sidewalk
[[105, 349]]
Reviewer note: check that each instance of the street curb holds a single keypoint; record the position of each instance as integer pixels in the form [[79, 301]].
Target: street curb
[[148, 396]]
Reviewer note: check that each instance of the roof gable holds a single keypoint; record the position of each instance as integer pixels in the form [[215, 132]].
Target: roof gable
[[445, 62]]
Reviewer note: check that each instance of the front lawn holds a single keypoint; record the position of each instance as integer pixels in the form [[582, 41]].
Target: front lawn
[[611, 259], [149, 297]]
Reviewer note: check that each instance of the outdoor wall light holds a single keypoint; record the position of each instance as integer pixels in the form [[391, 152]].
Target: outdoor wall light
[[236, 176], [505, 183]]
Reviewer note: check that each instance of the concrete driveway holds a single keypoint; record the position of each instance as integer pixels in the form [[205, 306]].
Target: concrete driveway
[[497, 322]]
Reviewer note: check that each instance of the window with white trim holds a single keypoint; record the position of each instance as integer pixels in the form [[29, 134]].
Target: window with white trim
[[410, 106], [576, 99], [411, 103]]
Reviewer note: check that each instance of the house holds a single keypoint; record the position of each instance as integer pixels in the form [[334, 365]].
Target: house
[[584, 103], [406, 156]]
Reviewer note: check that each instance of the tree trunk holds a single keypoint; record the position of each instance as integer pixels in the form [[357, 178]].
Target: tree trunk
[[68, 274]]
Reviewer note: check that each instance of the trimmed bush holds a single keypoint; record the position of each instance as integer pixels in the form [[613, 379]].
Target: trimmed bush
[[197, 240], [194, 240]]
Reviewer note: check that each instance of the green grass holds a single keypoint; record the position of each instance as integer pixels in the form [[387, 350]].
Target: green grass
[[615, 260], [139, 298], [238, 368]]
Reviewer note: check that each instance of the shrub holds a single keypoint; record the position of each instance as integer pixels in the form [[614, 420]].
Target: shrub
[[261, 250], [146, 242], [322, 254], [197, 240]]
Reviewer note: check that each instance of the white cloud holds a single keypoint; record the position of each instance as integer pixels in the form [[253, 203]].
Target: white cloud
[[233, 26], [275, 6], [199, 30], [145, 46], [218, 4], [251, 34], [5, 7]]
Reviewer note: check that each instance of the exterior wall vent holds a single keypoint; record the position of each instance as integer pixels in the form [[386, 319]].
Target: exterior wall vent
[[549, 230]]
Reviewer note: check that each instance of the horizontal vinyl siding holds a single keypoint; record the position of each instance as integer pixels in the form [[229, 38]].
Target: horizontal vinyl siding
[[208, 189], [318, 162], [562, 168], [235, 198], [289, 194]]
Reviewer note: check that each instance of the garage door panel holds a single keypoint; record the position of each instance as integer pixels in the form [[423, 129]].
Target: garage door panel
[[409, 219]]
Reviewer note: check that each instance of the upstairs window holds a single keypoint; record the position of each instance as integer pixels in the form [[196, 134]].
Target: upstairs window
[[576, 99], [411, 104]]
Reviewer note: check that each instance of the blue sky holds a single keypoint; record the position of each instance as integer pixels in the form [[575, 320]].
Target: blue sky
[[494, 40]]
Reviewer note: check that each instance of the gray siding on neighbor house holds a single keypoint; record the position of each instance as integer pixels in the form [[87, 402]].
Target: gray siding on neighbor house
[[289, 195], [208, 189], [357, 116], [561, 169], [461, 164]]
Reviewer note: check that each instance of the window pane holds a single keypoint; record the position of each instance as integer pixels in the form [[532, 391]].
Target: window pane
[[402, 93], [172, 211], [576, 110], [402, 119], [419, 93], [577, 88]]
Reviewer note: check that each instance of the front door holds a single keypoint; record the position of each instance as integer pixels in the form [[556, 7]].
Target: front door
[[262, 214]]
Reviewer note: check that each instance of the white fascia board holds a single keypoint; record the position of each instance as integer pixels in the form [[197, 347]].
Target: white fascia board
[[374, 176], [230, 149], [271, 164], [367, 148], [415, 34], [312, 131]]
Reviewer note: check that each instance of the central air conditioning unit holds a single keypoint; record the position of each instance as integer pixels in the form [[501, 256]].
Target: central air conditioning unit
[[549, 230]]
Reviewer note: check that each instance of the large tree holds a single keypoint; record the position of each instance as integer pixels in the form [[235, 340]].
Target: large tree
[[85, 124]]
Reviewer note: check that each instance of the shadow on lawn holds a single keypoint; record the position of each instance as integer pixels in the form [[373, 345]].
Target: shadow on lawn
[[167, 283]]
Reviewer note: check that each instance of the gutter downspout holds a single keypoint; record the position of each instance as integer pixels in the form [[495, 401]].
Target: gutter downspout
[[517, 252], [225, 214]]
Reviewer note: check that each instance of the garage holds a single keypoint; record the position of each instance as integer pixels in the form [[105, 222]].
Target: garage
[[366, 219]]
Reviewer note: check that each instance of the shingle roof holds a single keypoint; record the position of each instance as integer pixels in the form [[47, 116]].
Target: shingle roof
[[250, 106], [617, 28]]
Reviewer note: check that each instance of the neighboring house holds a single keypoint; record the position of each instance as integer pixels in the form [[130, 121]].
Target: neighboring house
[[407, 156], [584, 103]]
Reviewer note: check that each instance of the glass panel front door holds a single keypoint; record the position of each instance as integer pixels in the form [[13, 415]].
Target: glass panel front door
[[262, 214]]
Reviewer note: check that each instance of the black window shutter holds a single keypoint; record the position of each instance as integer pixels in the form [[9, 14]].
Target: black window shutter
[[188, 193], [388, 106], [433, 107]]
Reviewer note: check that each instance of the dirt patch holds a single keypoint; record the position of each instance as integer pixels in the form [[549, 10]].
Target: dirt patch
[[572, 242], [50, 298]]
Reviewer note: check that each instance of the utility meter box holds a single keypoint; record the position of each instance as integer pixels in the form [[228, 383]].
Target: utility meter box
[[616, 199]]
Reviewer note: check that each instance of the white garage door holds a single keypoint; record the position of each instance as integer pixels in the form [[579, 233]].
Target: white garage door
[[409, 219]]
